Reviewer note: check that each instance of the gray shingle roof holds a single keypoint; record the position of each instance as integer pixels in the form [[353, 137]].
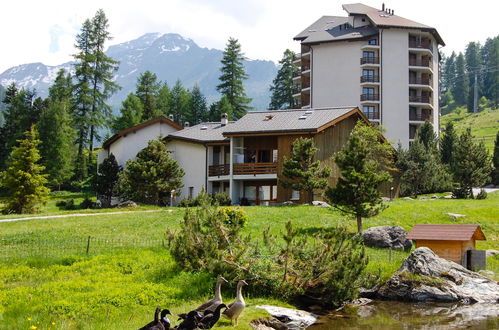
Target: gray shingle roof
[[282, 121], [202, 133]]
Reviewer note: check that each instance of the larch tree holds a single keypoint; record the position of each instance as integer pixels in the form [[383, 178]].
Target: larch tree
[[364, 164], [301, 172], [218, 108], [164, 100], [130, 113], [147, 91], [23, 177], [232, 77], [460, 87], [180, 99], [283, 87], [474, 67]]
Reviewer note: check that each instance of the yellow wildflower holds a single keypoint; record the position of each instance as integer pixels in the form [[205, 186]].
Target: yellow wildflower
[[29, 318], [33, 327]]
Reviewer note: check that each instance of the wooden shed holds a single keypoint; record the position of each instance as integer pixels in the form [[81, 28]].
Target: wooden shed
[[450, 242]]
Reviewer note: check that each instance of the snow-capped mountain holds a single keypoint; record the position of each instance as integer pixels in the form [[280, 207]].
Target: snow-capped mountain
[[170, 56]]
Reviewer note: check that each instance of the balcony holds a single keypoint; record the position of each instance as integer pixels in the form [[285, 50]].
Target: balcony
[[218, 170], [421, 99], [372, 115], [369, 79], [420, 81], [419, 45], [420, 117], [369, 60], [369, 97], [424, 63], [254, 168]]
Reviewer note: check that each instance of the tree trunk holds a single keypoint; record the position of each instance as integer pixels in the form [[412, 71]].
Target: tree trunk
[[91, 145], [359, 223], [310, 197]]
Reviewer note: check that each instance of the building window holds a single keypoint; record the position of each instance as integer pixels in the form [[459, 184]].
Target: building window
[[370, 112], [368, 90], [368, 73], [295, 195], [373, 42], [191, 192], [368, 54]]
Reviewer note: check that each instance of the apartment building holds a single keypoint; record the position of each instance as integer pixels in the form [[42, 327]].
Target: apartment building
[[385, 64]]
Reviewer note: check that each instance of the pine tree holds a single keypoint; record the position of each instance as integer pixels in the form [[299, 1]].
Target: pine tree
[[147, 91], [364, 164], [164, 100], [56, 133], [448, 144], [106, 179], [232, 77], [473, 66], [471, 166], [23, 178], [102, 78], [198, 108], [490, 58], [495, 161], [460, 89], [283, 87], [151, 176], [131, 113], [300, 172], [218, 108], [427, 136], [180, 101], [449, 72]]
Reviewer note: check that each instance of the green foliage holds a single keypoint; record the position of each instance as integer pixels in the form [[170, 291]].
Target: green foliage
[[164, 100], [86, 204], [198, 109], [217, 109], [364, 164], [283, 87], [131, 113], [222, 199], [151, 176], [495, 161], [147, 91], [461, 86], [427, 136], [23, 178], [233, 217], [472, 165], [106, 179], [232, 77], [301, 172], [180, 101], [448, 144], [482, 194]]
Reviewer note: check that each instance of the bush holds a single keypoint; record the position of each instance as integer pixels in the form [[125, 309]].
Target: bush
[[70, 205], [233, 216], [60, 204], [86, 204], [482, 194], [222, 199]]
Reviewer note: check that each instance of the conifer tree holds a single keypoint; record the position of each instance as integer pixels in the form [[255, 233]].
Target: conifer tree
[[164, 100], [449, 72], [461, 87], [180, 99], [151, 176], [147, 91], [198, 110], [232, 77], [23, 178], [363, 164], [301, 172], [473, 66], [106, 179], [448, 144], [495, 161], [427, 136], [131, 113], [490, 55], [219, 108], [283, 87], [471, 166]]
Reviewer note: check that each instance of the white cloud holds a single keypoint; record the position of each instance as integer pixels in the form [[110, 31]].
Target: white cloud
[[265, 28]]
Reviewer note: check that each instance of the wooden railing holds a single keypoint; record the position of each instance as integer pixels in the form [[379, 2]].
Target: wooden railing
[[420, 81], [423, 63], [255, 168], [421, 99], [414, 44], [218, 170]]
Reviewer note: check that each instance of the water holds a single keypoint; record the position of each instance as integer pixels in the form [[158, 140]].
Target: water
[[400, 315]]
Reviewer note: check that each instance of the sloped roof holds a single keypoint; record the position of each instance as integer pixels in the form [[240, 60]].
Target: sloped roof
[[135, 128], [202, 133], [289, 121], [446, 232]]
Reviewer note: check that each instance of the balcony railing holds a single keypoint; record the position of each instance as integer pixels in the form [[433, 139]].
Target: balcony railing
[[420, 117], [369, 60], [369, 97], [364, 79], [420, 99], [414, 44], [420, 81], [255, 168], [372, 115], [218, 170], [422, 63]]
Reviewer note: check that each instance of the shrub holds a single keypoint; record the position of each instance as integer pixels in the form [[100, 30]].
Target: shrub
[[70, 205], [482, 194], [233, 216], [86, 204], [222, 199], [60, 204]]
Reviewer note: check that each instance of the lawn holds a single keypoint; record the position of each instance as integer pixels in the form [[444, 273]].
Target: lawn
[[46, 275]]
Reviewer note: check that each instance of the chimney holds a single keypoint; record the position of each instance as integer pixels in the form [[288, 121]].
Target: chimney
[[393, 11], [383, 7], [224, 120], [170, 117], [186, 124]]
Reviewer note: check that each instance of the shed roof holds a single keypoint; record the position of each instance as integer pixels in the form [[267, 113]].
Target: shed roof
[[289, 121], [446, 232], [202, 133], [126, 131]]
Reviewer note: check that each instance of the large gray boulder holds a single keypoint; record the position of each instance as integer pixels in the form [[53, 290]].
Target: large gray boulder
[[387, 237], [284, 318], [425, 277]]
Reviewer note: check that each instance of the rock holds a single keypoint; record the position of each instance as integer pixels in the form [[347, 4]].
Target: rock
[[447, 197], [291, 318], [490, 253], [425, 277], [127, 204], [486, 273], [268, 323], [320, 203], [387, 237], [288, 203], [408, 199], [455, 216], [423, 197], [385, 199], [434, 197]]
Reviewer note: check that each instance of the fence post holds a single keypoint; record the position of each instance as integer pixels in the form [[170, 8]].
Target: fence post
[[88, 243]]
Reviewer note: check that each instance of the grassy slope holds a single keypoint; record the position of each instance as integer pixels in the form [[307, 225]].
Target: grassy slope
[[118, 284], [483, 124]]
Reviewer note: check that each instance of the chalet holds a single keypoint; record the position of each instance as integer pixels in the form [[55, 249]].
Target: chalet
[[452, 242]]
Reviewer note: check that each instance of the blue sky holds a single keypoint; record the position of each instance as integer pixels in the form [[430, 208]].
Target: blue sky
[[44, 31]]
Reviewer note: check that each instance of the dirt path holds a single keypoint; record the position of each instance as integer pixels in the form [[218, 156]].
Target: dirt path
[[77, 215]]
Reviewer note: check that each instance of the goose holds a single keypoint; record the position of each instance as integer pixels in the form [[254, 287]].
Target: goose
[[164, 319], [213, 303], [190, 322], [156, 324], [236, 308], [209, 320]]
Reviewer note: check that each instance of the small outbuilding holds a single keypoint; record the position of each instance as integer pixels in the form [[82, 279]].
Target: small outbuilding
[[452, 242]]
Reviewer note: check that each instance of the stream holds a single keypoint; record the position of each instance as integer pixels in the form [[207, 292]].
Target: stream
[[400, 315]]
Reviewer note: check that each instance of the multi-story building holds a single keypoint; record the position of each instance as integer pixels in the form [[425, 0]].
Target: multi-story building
[[383, 63]]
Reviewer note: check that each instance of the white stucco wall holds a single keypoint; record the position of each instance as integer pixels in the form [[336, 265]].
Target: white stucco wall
[[395, 86], [336, 74], [192, 158], [127, 147]]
